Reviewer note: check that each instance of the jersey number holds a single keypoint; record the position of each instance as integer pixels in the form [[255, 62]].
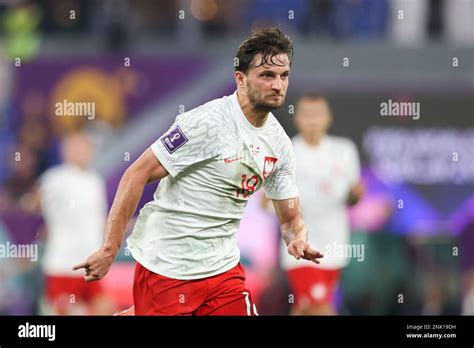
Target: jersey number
[[247, 186]]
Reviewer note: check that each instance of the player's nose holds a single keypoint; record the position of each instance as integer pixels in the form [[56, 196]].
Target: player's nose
[[277, 85]]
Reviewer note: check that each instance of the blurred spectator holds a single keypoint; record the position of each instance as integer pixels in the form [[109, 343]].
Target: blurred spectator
[[18, 279], [467, 264], [73, 201], [459, 22], [359, 18], [27, 156], [159, 17], [21, 179], [8, 269], [412, 22], [432, 296], [34, 129], [217, 17], [468, 299], [66, 16], [21, 25], [435, 19], [120, 23], [116, 23], [317, 18], [261, 13], [6, 138], [6, 74], [409, 21]]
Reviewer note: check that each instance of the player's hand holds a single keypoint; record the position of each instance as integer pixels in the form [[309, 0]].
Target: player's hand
[[97, 265], [300, 249]]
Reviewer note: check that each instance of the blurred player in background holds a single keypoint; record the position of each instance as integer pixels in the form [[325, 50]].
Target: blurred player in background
[[211, 161], [328, 178], [73, 202]]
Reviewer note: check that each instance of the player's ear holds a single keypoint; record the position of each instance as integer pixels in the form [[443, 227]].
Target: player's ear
[[330, 119], [239, 78], [329, 114]]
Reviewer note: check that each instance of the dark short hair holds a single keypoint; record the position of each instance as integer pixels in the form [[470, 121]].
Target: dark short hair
[[270, 42], [313, 96]]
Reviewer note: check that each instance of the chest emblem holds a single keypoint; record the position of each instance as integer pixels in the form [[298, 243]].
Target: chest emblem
[[268, 166]]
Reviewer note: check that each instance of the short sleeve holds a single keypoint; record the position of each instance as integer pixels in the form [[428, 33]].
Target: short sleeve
[[353, 163], [49, 188], [193, 138], [281, 184], [46, 187]]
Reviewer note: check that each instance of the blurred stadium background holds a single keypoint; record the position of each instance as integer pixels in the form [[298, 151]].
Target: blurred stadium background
[[142, 62]]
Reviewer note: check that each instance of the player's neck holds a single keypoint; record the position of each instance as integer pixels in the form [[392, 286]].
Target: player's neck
[[77, 166], [255, 117], [313, 141]]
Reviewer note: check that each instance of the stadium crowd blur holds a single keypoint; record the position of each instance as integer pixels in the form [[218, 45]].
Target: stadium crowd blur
[[30, 137], [119, 23]]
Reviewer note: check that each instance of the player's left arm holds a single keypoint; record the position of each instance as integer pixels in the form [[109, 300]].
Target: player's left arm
[[293, 229], [357, 188], [355, 193]]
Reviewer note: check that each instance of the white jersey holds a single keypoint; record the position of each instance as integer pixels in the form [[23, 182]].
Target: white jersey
[[325, 175], [74, 207], [216, 160]]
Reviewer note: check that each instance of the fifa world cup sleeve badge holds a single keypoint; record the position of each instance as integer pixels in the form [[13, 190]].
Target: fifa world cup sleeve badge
[[174, 139]]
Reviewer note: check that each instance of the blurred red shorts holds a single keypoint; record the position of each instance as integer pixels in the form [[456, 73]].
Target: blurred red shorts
[[60, 288], [313, 286], [223, 294]]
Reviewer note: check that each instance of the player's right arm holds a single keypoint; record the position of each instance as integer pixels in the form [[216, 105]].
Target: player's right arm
[[144, 170]]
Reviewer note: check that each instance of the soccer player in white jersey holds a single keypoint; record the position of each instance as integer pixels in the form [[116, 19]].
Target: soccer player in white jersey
[[211, 160], [328, 177], [74, 205]]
